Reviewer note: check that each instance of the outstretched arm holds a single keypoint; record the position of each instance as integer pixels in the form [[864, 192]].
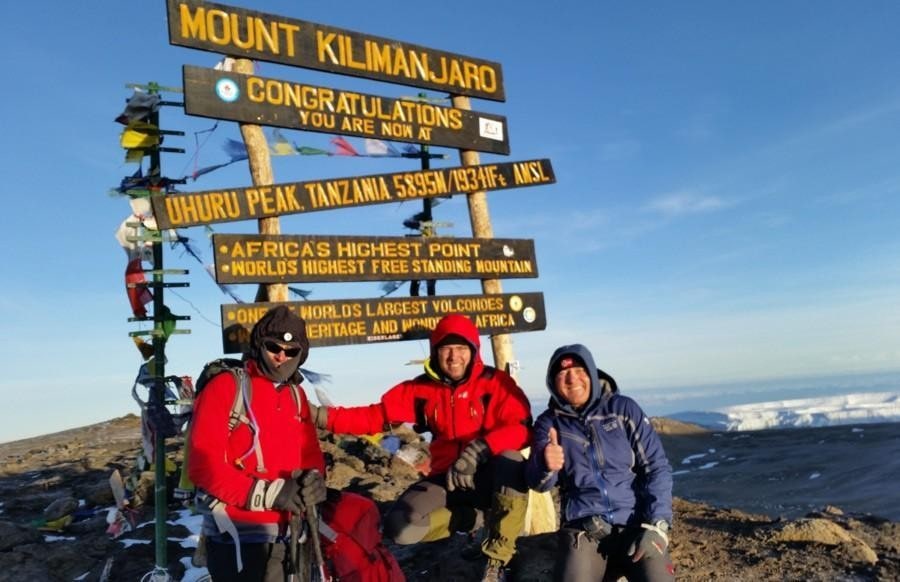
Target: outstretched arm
[[395, 407]]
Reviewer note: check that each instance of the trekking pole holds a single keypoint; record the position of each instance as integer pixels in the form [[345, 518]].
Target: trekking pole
[[312, 516], [294, 574]]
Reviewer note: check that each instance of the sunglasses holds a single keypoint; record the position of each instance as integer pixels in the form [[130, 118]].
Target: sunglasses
[[274, 348]]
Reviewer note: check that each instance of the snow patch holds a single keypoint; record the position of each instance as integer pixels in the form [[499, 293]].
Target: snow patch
[[859, 408], [192, 573], [688, 459]]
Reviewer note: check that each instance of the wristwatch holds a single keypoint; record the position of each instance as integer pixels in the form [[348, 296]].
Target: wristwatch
[[663, 526]]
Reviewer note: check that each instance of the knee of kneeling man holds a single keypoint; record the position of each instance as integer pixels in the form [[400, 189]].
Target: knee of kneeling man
[[398, 530]]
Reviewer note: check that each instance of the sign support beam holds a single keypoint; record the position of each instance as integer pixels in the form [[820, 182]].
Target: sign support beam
[[261, 173], [501, 344]]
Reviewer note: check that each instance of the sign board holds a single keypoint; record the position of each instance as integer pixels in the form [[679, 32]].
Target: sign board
[[266, 37], [245, 258], [265, 101], [208, 207], [362, 321]]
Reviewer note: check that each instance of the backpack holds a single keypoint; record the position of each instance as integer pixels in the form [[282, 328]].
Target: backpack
[[352, 545]]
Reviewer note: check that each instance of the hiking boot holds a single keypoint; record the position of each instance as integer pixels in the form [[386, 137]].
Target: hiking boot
[[494, 571]]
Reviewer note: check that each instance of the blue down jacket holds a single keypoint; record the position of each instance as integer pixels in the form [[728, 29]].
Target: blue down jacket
[[615, 466]]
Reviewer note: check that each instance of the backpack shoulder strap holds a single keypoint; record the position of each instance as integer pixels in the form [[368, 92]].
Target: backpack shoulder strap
[[242, 394], [295, 395]]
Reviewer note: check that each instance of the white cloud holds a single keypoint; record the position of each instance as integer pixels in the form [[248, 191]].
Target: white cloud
[[685, 202]]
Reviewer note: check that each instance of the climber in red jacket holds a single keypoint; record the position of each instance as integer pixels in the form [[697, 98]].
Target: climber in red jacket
[[479, 418]]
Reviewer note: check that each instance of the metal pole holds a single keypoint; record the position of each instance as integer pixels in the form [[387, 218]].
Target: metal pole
[[159, 374], [425, 231]]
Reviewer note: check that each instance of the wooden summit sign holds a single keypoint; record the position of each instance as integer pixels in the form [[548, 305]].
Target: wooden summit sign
[[242, 258], [264, 101], [361, 321], [208, 207], [267, 37]]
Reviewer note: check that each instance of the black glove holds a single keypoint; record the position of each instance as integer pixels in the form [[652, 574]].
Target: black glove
[[278, 494], [319, 416], [462, 474], [293, 495], [651, 542], [312, 487]]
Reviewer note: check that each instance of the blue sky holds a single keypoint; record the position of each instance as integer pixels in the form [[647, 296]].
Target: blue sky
[[726, 211]]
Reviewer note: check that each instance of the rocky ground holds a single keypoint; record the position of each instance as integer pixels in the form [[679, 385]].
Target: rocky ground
[[41, 478]]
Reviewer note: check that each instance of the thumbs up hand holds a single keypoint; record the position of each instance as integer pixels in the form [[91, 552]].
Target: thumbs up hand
[[554, 457]]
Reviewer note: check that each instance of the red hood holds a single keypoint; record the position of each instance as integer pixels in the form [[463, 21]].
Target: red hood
[[456, 324]]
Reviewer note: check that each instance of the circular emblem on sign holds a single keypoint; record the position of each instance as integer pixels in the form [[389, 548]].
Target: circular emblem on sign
[[529, 314], [288, 336], [227, 90], [515, 303]]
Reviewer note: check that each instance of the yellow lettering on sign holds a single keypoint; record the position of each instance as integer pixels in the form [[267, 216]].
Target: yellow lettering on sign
[[210, 207], [246, 315], [335, 329], [397, 61], [452, 249], [503, 266], [448, 266], [269, 200], [240, 31], [529, 173], [418, 323], [475, 304], [379, 249], [396, 130], [487, 320], [390, 266], [261, 268], [324, 267], [358, 125]]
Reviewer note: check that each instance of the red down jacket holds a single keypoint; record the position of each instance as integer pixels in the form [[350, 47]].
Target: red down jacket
[[487, 404], [287, 442]]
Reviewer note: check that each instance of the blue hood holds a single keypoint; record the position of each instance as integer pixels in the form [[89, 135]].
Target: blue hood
[[601, 383]]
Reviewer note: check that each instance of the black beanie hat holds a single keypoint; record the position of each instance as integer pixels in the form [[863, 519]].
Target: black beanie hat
[[284, 326]]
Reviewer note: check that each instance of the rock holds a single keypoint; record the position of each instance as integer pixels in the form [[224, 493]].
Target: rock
[[814, 530], [98, 494], [60, 508], [858, 551], [823, 531], [12, 535]]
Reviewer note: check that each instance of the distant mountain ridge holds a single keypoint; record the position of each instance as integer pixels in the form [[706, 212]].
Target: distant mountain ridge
[[860, 408]]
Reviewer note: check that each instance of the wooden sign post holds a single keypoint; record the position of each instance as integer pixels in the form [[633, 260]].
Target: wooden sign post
[[260, 163]]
